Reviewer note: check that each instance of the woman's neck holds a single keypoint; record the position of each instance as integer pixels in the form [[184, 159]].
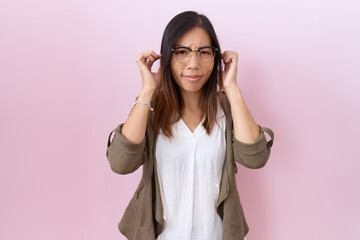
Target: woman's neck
[[192, 114], [191, 102]]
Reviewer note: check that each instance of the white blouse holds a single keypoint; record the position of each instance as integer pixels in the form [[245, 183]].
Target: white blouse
[[189, 167]]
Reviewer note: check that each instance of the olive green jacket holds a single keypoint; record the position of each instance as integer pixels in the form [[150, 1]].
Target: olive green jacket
[[143, 217]]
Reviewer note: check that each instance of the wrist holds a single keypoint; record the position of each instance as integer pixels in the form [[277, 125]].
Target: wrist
[[232, 89], [234, 95], [146, 95]]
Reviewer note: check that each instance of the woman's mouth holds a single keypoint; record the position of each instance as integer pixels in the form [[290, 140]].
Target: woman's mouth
[[193, 77]]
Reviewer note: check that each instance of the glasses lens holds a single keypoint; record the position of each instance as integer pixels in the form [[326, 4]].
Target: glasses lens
[[181, 54], [206, 54]]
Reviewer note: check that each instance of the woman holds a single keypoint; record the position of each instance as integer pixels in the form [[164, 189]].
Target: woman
[[187, 135]]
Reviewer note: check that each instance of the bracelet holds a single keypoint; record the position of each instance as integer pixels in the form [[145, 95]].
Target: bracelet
[[151, 109]]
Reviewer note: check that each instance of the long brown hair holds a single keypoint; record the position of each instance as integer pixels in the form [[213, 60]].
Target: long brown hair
[[168, 102]]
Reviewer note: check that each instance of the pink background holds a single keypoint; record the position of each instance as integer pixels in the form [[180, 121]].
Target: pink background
[[68, 77]]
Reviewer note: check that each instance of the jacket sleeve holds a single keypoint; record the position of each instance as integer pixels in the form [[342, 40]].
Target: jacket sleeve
[[124, 156], [253, 155]]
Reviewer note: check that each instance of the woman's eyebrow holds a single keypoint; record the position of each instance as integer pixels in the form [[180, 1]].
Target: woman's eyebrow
[[178, 45]]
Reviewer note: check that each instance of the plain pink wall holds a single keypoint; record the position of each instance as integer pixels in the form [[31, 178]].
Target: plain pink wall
[[68, 77]]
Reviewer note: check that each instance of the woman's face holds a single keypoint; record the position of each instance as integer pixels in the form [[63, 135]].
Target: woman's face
[[192, 74]]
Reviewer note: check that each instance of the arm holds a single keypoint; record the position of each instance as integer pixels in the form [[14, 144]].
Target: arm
[[249, 144], [254, 155], [126, 152], [245, 127], [135, 126], [124, 156]]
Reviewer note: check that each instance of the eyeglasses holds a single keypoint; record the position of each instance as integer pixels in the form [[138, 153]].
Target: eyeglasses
[[205, 54]]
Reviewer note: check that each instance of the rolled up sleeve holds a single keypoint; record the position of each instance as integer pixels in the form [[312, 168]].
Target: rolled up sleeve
[[254, 155], [124, 156]]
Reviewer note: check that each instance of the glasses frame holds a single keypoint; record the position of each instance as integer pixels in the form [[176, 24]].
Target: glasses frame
[[215, 49]]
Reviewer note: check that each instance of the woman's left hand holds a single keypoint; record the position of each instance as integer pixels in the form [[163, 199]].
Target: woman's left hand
[[230, 59]]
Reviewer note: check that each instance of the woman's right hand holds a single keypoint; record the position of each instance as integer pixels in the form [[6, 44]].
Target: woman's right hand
[[134, 127], [150, 80]]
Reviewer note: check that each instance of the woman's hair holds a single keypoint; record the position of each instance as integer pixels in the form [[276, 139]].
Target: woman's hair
[[168, 102]]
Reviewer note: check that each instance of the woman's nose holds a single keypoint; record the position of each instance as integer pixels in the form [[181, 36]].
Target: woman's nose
[[194, 60]]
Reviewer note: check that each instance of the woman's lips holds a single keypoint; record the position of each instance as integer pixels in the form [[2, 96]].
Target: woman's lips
[[193, 77]]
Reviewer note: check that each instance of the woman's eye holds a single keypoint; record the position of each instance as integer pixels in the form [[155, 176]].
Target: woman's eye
[[205, 52], [181, 52]]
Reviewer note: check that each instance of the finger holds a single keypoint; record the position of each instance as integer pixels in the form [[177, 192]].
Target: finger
[[150, 61], [156, 56], [226, 53], [230, 58], [153, 58], [152, 53], [144, 55], [225, 57], [146, 59], [141, 59]]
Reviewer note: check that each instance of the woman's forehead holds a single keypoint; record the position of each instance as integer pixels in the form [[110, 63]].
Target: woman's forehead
[[195, 37]]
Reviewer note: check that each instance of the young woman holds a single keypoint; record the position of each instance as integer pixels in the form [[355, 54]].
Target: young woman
[[187, 128]]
